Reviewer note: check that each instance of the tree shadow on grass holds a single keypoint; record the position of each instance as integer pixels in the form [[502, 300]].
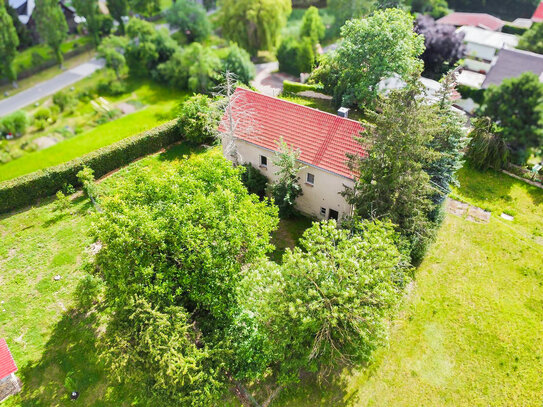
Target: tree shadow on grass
[[177, 151], [71, 360]]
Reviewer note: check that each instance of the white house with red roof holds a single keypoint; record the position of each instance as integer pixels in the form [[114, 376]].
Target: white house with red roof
[[322, 139], [481, 20], [9, 384]]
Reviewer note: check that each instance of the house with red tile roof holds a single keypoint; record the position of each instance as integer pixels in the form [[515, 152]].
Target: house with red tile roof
[[538, 14], [481, 20], [9, 384], [323, 140]]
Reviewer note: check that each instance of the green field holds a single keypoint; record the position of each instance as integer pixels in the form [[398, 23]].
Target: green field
[[469, 332]]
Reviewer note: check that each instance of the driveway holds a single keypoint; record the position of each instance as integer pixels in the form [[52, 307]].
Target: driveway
[[268, 81], [43, 89]]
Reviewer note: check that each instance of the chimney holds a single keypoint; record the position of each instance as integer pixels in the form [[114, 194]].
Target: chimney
[[343, 112]]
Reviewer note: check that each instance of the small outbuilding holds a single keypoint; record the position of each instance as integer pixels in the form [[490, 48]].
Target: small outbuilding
[[9, 383]]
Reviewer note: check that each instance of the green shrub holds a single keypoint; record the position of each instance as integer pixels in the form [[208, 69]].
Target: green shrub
[[511, 29], [42, 113], [28, 189], [255, 182], [15, 123], [295, 55], [111, 87], [63, 100], [296, 87], [478, 95], [198, 119]]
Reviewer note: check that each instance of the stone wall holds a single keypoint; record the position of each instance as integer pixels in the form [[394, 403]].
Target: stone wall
[[9, 386]]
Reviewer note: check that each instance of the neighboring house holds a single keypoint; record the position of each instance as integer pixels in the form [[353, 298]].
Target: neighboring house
[[511, 63], [323, 140], [538, 14], [482, 46], [9, 384], [482, 20], [25, 9]]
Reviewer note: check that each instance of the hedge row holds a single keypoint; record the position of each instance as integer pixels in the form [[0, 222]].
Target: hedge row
[[28, 189], [296, 87], [478, 95], [512, 29]]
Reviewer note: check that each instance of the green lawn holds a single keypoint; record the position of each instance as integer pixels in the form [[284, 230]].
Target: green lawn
[[160, 107], [469, 332]]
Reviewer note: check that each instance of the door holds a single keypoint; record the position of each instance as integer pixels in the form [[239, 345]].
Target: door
[[332, 214]]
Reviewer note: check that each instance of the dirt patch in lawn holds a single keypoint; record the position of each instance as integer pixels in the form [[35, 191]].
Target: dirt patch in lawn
[[469, 212]]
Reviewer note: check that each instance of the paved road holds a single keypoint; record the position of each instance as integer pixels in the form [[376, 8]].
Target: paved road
[[43, 89]]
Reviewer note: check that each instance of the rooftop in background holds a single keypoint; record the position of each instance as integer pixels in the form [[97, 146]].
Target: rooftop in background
[[522, 23], [538, 14], [488, 38], [473, 19], [7, 364], [512, 63], [471, 79], [323, 138]]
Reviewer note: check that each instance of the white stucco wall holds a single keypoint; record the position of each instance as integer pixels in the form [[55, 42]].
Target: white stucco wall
[[324, 193], [480, 51]]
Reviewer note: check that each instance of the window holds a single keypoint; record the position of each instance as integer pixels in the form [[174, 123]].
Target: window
[[333, 214], [323, 211], [263, 161], [310, 178]]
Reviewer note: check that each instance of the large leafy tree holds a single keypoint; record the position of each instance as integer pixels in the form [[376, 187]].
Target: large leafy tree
[[118, 9], [195, 68], [312, 25], [191, 18], [112, 50], [486, 149], [392, 181], [174, 245], [435, 8], [254, 24], [344, 10], [51, 25], [532, 39], [89, 10], [444, 46], [372, 49], [516, 106], [327, 304], [238, 61], [8, 43], [147, 48], [146, 8]]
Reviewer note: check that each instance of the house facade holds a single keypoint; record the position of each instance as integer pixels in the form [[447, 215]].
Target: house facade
[[323, 141]]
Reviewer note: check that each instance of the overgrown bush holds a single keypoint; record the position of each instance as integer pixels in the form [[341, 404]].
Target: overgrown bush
[[28, 189], [296, 56], [63, 100], [255, 182], [15, 123], [42, 113], [486, 148], [478, 95], [191, 18], [111, 87], [198, 119]]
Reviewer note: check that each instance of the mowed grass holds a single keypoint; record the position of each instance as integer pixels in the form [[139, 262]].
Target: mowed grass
[[161, 105], [469, 332]]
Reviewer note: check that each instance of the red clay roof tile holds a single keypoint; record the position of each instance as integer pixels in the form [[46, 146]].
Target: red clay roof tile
[[323, 139], [7, 364]]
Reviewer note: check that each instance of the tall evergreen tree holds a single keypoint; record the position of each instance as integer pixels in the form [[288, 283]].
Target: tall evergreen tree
[[89, 10], [8, 44], [51, 25], [450, 141], [118, 9], [392, 181]]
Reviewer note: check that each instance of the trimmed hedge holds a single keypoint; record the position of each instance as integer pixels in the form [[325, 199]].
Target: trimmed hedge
[[512, 29], [28, 189], [296, 87], [478, 95]]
